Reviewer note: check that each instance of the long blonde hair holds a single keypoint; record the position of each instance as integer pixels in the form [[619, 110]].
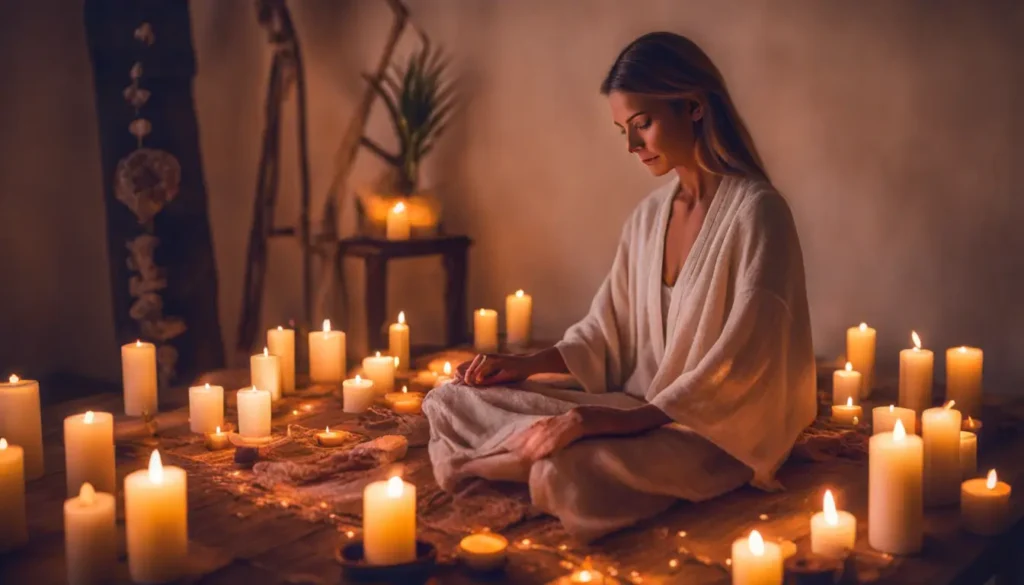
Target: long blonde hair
[[669, 66]]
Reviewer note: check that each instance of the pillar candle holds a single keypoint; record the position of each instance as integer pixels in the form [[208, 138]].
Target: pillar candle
[[389, 522], [217, 440], [846, 383], [357, 395], [253, 413], [21, 422], [847, 414], [895, 492], [90, 537], [833, 532], [281, 343], [205, 408], [963, 378], [13, 528], [860, 351], [883, 419], [518, 319], [410, 405], [485, 330], [756, 562], [138, 371], [392, 397], [985, 505], [398, 227], [398, 341], [156, 522], [968, 454], [327, 355], [89, 452], [940, 429], [265, 373], [380, 369], [916, 376]]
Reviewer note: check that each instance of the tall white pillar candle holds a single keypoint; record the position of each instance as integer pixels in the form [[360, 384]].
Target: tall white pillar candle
[[940, 429], [883, 419], [253, 413], [138, 372], [265, 372], [13, 527], [389, 522], [833, 532], [968, 454], [860, 351], [485, 331], [90, 537], [756, 562], [156, 522], [281, 343], [380, 369], [518, 319], [985, 505], [357, 395], [846, 383], [895, 492], [916, 376], [327, 355], [89, 452], [398, 341], [963, 379], [205, 408], [398, 227], [21, 421]]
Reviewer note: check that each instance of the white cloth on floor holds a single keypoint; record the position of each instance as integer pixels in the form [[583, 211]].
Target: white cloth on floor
[[733, 366]]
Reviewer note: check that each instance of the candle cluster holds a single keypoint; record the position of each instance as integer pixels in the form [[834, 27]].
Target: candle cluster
[[518, 324]]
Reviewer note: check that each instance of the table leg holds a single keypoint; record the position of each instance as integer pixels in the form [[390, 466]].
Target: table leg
[[376, 301], [455, 266]]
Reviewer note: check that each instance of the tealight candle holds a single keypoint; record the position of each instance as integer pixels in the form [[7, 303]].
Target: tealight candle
[[846, 385], [357, 395], [89, 452], [916, 376], [330, 438], [446, 377], [21, 421], [483, 551], [217, 440], [411, 405], [398, 227], [963, 378], [968, 454], [518, 317], [265, 372], [985, 505], [90, 537], [587, 577], [253, 413], [13, 528], [138, 371], [860, 351], [205, 408], [895, 493], [845, 414], [940, 429], [389, 522], [972, 424], [391, 397], [380, 369], [327, 355], [281, 343], [883, 419], [833, 532], [156, 521], [756, 562], [485, 330]]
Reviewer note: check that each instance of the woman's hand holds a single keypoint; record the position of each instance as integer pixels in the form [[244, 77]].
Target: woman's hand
[[494, 369], [548, 436]]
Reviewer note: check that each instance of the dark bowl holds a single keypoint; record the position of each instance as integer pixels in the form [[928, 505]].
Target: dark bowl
[[355, 568]]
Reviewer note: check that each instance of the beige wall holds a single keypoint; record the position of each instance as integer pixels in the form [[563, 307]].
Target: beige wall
[[892, 128]]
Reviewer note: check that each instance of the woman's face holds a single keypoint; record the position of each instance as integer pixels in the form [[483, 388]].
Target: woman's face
[[660, 135]]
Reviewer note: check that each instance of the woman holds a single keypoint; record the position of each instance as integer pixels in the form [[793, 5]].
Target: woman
[[696, 355]]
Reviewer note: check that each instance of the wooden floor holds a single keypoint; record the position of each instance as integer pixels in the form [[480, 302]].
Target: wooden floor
[[251, 539]]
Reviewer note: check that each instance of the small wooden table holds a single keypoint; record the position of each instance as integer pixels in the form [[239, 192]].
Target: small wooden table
[[376, 252]]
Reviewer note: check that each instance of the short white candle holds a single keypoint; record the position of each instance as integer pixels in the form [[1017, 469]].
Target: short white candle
[[389, 522], [940, 429], [281, 343], [205, 408], [756, 562], [253, 413], [860, 351], [916, 376], [963, 378], [327, 355], [847, 413], [398, 341], [265, 372], [89, 452], [357, 395], [13, 528], [985, 505], [483, 551], [398, 227], [138, 371], [90, 537], [968, 454], [156, 522], [380, 369], [485, 330], [846, 384], [217, 440], [518, 319], [391, 397], [330, 438], [895, 493], [410, 405], [883, 419], [21, 421], [833, 532]]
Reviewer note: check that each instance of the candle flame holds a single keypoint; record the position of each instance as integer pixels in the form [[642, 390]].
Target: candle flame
[[892, 407], [89, 416], [916, 339], [266, 352], [970, 422], [327, 325], [829, 508], [849, 401], [949, 404], [863, 326], [849, 367], [399, 207], [584, 576], [963, 349], [217, 432], [520, 293], [447, 368], [138, 343], [483, 312], [358, 379], [405, 389], [87, 494], [3, 444], [396, 362], [327, 429], [756, 543], [279, 328], [156, 468], [856, 420], [898, 432], [401, 317], [13, 379], [395, 487], [991, 480], [378, 354], [207, 386]]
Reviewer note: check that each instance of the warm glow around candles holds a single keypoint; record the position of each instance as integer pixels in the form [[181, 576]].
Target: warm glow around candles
[[13, 379], [395, 487], [898, 432], [756, 543], [584, 576], [829, 507], [398, 208], [156, 468], [327, 325], [991, 480], [87, 494]]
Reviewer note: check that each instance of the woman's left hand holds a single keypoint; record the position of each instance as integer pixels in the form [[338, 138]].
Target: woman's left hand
[[548, 436]]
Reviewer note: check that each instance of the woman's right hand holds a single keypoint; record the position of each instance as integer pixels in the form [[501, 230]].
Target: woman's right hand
[[495, 369]]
